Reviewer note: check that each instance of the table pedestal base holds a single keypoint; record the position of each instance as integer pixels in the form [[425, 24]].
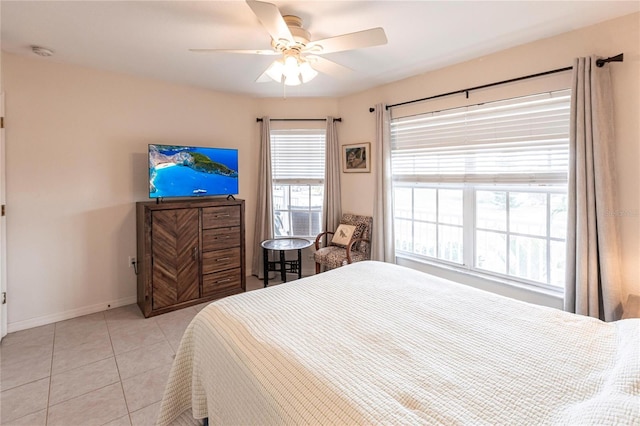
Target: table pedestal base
[[282, 265]]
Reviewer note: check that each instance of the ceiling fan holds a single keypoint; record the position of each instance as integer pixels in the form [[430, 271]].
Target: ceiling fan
[[299, 60]]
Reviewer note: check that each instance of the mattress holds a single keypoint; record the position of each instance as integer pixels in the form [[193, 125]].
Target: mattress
[[377, 343]]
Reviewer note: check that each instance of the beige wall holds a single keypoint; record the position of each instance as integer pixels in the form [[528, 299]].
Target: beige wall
[[621, 35], [76, 144], [76, 165]]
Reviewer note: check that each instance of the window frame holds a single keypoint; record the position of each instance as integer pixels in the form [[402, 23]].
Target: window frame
[[288, 183], [469, 228], [424, 147]]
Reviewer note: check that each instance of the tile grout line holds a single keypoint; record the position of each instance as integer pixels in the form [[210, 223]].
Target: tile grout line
[[56, 342], [53, 348], [2, 390], [65, 371], [174, 350], [115, 359]]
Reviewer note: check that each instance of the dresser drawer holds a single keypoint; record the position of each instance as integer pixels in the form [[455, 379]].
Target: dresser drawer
[[225, 280], [219, 260], [220, 217], [220, 238]]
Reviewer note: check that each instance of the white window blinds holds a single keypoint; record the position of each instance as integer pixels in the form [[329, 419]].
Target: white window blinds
[[520, 140], [298, 155]]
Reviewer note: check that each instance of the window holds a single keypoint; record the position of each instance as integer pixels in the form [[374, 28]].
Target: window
[[483, 188], [428, 222], [297, 167]]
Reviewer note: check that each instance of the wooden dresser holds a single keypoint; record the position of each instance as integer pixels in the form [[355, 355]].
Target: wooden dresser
[[189, 252]]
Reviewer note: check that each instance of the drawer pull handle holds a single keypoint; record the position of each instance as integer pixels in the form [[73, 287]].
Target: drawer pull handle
[[223, 281], [222, 259], [221, 215]]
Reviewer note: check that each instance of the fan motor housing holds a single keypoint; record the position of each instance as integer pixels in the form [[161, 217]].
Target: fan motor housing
[[300, 35]]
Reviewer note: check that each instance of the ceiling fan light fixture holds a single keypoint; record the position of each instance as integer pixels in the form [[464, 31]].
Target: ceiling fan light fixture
[[276, 70], [307, 73], [289, 39], [292, 80], [291, 68]]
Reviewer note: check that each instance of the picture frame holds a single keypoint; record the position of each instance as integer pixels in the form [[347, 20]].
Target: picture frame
[[356, 158]]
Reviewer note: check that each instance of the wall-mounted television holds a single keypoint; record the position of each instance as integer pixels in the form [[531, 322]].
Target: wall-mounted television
[[191, 171]]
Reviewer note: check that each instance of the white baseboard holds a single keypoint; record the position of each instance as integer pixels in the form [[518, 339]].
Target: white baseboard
[[86, 310]]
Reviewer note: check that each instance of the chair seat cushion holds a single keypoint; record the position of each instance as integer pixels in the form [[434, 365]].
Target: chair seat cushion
[[334, 257]]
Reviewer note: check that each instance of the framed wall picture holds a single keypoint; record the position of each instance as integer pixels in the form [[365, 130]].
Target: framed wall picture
[[356, 158]]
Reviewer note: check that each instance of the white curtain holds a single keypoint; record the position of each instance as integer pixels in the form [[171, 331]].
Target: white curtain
[[382, 244], [264, 205], [332, 206], [593, 285]]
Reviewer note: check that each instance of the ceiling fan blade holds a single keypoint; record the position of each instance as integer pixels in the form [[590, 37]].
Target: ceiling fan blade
[[328, 67], [270, 17], [264, 78], [357, 40], [244, 51]]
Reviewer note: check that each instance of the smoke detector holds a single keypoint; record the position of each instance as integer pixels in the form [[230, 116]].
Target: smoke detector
[[41, 51]]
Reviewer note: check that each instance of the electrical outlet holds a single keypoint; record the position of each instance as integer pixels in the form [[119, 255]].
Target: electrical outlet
[[132, 261]]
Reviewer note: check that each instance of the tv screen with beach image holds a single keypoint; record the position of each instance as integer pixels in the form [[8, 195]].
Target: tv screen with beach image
[[189, 171]]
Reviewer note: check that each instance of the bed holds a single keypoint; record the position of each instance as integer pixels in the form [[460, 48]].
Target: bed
[[376, 343]]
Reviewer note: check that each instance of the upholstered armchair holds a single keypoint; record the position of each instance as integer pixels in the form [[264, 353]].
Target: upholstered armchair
[[349, 243]]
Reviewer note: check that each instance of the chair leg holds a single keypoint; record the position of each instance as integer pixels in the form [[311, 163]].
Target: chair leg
[[317, 268]]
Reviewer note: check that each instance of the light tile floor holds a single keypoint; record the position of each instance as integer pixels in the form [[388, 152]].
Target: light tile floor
[[107, 368]]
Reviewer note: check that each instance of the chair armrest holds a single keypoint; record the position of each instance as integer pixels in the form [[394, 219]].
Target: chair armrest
[[350, 246], [317, 242]]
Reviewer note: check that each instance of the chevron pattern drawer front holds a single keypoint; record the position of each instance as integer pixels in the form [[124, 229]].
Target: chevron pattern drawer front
[[175, 276], [189, 252]]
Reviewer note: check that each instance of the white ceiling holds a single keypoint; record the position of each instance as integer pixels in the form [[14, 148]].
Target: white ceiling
[[152, 38]]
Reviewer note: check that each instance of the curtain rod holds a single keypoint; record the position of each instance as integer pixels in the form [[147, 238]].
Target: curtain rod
[[599, 63], [259, 120]]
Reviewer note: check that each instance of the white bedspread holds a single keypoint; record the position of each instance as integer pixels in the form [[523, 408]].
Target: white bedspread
[[375, 343]]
